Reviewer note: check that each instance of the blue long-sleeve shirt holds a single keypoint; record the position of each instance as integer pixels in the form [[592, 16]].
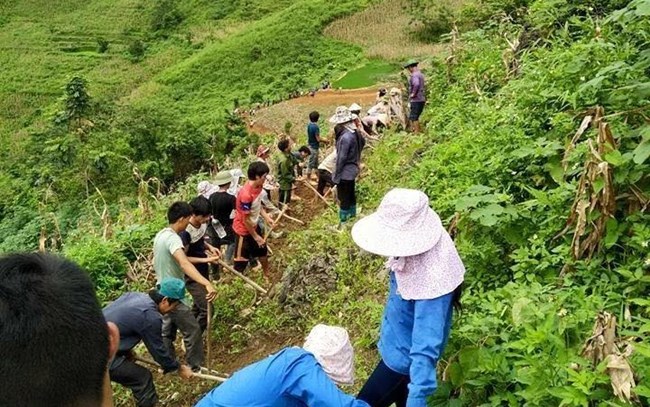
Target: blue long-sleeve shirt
[[290, 378], [413, 336], [348, 156], [138, 319]]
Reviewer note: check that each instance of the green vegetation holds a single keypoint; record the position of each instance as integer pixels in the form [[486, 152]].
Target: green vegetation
[[372, 72]]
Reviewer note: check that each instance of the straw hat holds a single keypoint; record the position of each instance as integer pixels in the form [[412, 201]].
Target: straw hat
[[342, 115], [262, 150], [332, 348], [223, 178], [403, 225]]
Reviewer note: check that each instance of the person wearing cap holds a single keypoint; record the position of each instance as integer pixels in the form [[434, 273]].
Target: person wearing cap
[[417, 96], [294, 377], [222, 204], [348, 160], [138, 317], [425, 280]]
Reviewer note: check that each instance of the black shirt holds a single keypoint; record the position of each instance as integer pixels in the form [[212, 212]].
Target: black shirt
[[223, 204]]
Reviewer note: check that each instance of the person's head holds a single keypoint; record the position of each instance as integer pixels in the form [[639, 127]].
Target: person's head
[[331, 347], [314, 116], [418, 242], [179, 214], [263, 152], [304, 151], [168, 294], [411, 65], [223, 180], [200, 209], [56, 344], [342, 115], [283, 145], [338, 130], [381, 92], [355, 108], [257, 172]]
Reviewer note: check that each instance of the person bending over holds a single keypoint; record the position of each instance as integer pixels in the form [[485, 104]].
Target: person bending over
[[139, 319], [294, 377]]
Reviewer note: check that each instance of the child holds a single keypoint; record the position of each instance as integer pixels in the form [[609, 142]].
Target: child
[[302, 153], [286, 175], [314, 140]]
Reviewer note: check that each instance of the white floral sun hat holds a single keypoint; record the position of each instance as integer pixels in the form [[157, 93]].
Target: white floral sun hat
[[403, 225], [421, 252], [332, 348]]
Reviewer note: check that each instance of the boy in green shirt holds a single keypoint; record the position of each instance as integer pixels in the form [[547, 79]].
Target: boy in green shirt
[[286, 175]]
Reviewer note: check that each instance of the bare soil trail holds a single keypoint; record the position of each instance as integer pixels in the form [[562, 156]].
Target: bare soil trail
[[272, 119]]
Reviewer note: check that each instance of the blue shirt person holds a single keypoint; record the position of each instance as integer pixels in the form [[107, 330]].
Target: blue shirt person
[[138, 317], [426, 276], [293, 377]]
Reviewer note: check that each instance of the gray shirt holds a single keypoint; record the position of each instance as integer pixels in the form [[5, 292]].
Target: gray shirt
[[417, 87], [348, 156]]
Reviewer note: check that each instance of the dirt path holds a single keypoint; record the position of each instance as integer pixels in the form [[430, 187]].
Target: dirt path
[[296, 111]]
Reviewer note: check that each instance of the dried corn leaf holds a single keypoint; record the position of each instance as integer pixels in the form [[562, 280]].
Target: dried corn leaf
[[621, 376]]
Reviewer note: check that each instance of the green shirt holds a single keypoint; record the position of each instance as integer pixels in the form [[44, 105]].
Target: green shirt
[[164, 264], [285, 171]]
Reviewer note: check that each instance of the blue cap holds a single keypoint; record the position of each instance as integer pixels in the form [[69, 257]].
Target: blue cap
[[173, 288]]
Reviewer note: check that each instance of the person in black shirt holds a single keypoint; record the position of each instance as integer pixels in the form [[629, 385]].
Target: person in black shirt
[[223, 207], [201, 254]]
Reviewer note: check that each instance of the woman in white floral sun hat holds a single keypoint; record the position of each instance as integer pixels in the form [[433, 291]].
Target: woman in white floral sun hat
[[426, 274]]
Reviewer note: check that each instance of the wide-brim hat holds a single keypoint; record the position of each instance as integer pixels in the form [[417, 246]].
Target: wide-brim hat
[[331, 347], [403, 225], [223, 178], [411, 62], [342, 115]]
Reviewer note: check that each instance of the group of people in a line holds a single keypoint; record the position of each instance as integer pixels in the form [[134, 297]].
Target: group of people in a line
[[58, 348]]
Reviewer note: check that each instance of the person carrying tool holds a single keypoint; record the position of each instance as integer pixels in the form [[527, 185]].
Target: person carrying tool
[[201, 254], [294, 377], [138, 317], [169, 260], [222, 204], [249, 241], [417, 96], [348, 160], [425, 283], [286, 171]]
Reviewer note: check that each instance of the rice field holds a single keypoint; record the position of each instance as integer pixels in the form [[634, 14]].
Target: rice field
[[382, 30]]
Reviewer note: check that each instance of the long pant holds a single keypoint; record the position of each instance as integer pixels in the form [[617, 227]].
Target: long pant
[[200, 306], [385, 387], [138, 379], [324, 180], [347, 200], [285, 196], [312, 164], [183, 319]]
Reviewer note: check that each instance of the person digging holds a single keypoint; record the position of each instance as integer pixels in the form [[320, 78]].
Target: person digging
[[138, 317]]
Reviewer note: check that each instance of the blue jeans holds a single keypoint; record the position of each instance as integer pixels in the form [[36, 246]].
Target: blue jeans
[[385, 387]]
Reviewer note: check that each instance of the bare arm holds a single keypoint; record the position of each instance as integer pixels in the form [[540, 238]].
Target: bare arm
[[191, 271]]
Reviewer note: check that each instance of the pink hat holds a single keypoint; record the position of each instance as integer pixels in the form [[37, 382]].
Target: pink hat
[[422, 254], [332, 348], [403, 225], [206, 189]]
